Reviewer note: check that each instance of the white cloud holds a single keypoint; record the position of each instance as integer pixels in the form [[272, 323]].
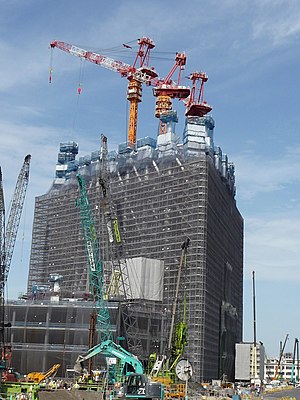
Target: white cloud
[[278, 21], [272, 246], [257, 173]]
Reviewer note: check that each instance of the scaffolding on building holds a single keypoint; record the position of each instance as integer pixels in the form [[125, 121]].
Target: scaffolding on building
[[163, 193]]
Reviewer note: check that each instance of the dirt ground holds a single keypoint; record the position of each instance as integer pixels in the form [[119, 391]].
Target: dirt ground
[[63, 394]]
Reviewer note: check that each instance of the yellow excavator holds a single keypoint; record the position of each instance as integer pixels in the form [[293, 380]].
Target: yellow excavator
[[38, 377]]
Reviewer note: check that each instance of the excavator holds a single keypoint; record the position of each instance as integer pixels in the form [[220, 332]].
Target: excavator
[[38, 377], [127, 362], [129, 372]]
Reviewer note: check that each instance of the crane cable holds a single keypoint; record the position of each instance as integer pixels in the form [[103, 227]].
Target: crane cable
[[79, 90], [51, 65]]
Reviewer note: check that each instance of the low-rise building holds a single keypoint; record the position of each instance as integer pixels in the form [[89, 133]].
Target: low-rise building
[[287, 370], [249, 362]]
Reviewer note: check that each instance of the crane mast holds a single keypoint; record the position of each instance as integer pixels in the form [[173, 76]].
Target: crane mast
[[15, 213], [137, 74]]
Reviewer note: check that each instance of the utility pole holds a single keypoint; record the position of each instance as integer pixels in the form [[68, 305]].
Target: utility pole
[[254, 361]]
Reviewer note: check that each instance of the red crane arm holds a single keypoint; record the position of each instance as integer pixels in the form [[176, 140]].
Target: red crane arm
[[106, 62], [195, 104], [180, 62], [141, 74]]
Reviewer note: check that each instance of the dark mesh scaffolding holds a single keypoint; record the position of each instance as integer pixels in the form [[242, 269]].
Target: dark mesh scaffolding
[[158, 206]]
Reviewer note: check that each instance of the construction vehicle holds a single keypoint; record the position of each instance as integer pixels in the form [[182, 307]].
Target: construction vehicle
[[137, 74], [129, 372], [2, 267], [168, 367], [38, 377], [100, 316], [119, 286], [178, 331], [96, 279], [127, 363], [8, 234], [276, 374], [16, 212], [138, 386], [11, 387]]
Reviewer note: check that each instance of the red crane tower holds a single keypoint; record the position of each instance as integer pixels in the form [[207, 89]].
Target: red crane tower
[[195, 104], [166, 89], [137, 74]]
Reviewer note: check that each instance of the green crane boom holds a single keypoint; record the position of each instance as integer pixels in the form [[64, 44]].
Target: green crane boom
[[92, 249], [118, 256]]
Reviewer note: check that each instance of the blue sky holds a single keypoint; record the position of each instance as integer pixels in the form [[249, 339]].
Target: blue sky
[[250, 51]]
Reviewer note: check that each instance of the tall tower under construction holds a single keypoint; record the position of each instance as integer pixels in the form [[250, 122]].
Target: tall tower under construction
[[166, 192]]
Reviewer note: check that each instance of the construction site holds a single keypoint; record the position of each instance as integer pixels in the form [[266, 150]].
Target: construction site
[[139, 248]]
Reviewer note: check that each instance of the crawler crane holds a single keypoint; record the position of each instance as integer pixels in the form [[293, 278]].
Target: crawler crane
[[96, 279], [96, 273], [138, 73], [8, 234], [165, 366], [8, 237], [119, 283], [295, 376], [280, 358], [2, 262], [138, 383]]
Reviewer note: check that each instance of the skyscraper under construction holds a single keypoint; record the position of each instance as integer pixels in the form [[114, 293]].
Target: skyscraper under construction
[[166, 195]]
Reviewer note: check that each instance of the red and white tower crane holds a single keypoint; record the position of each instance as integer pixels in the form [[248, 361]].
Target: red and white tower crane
[[195, 104], [138, 73], [166, 89]]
